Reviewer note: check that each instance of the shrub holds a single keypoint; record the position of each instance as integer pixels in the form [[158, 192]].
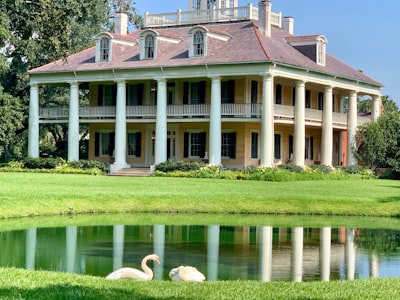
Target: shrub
[[43, 163], [170, 165], [88, 164], [292, 168], [324, 169]]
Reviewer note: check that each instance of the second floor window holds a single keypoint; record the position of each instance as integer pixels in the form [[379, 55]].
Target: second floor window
[[149, 47], [198, 43], [104, 49]]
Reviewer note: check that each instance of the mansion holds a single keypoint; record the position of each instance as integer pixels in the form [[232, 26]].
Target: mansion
[[218, 83]]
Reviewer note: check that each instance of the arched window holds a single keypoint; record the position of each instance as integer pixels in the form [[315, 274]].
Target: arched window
[[198, 43], [104, 49], [149, 46]]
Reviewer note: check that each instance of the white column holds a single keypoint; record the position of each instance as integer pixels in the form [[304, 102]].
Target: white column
[[120, 129], [327, 128], [161, 122], [350, 254], [33, 138], [351, 128], [376, 107], [299, 124], [118, 246], [214, 154], [267, 123], [72, 234], [159, 249], [325, 253], [373, 265], [31, 234], [212, 252], [297, 254], [266, 253], [73, 122]]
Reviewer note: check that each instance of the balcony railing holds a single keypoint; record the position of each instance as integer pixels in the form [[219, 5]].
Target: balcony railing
[[283, 112], [207, 16]]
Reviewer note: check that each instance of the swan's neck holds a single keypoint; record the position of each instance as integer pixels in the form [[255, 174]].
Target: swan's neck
[[146, 269]]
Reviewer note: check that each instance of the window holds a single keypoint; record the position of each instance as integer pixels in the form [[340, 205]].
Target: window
[[254, 145], [228, 91], [104, 143], [308, 99], [294, 96], [194, 92], [104, 49], [320, 101], [194, 144], [107, 95], [135, 94], [228, 144], [149, 46], [309, 148], [277, 146], [196, 4], [134, 144], [278, 94], [198, 43]]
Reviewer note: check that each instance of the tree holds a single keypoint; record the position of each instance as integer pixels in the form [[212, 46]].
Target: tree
[[36, 32]]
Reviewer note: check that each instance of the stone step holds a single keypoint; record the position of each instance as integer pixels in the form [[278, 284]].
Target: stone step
[[133, 172]]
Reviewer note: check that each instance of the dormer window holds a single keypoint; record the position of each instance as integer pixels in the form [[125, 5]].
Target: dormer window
[[198, 41], [103, 47], [321, 51], [312, 46], [148, 44]]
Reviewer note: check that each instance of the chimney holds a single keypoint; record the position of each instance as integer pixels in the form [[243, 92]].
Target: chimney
[[121, 23], [264, 17], [288, 24]]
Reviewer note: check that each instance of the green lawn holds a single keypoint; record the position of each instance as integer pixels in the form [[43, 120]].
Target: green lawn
[[66, 199]]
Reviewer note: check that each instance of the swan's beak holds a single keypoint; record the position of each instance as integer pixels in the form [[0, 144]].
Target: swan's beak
[[157, 260]]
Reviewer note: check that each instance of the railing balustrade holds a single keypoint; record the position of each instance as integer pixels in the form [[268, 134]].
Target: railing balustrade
[[239, 110]]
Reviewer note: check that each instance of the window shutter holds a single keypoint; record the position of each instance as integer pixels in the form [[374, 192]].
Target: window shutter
[[203, 144], [138, 150], [278, 94], [202, 91], [140, 88], [233, 145], [114, 95], [312, 147], [186, 144], [231, 91], [111, 147], [100, 95], [97, 144], [186, 93]]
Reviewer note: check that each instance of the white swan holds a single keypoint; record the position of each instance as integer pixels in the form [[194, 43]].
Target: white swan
[[186, 273], [136, 274]]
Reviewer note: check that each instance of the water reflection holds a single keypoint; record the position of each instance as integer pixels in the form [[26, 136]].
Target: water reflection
[[260, 253]]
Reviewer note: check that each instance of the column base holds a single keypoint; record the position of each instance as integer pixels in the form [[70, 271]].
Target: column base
[[115, 167]]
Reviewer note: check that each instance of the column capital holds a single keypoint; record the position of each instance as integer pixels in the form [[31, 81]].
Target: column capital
[[120, 81], [215, 77], [34, 85], [160, 79], [73, 82], [328, 87]]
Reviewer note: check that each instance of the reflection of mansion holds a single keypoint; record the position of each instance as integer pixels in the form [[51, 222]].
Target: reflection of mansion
[[226, 84]]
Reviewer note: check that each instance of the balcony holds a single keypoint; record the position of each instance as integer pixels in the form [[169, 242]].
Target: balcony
[[283, 114], [206, 16]]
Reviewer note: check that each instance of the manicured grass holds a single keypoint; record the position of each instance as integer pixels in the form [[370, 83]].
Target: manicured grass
[[34, 194], [20, 284], [67, 199]]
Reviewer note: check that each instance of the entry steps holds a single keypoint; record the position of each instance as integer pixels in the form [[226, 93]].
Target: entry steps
[[133, 172]]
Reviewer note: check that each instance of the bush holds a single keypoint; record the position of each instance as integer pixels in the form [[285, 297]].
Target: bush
[[170, 166], [88, 164], [353, 169], [43, 163], [292, 168], [324, 169]]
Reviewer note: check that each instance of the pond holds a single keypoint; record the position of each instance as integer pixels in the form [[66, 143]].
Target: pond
[[263, 253]]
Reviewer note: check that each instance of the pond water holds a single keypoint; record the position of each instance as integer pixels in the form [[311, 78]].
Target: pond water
[[262, 253]]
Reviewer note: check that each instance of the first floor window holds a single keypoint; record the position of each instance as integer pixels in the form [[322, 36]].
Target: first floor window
[[104, 143], [195, 144], [309, 148], [254, 145], [134, 144], [277, 146], [228, 144]]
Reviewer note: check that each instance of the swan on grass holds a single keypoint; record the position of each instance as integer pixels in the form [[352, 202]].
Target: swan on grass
[[135, 274], [186, 273]]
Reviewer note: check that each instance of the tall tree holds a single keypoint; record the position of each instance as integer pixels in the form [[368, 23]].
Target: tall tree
[[36, 32]]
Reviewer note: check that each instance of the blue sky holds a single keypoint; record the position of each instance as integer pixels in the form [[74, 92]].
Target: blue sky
[[361, 33]]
